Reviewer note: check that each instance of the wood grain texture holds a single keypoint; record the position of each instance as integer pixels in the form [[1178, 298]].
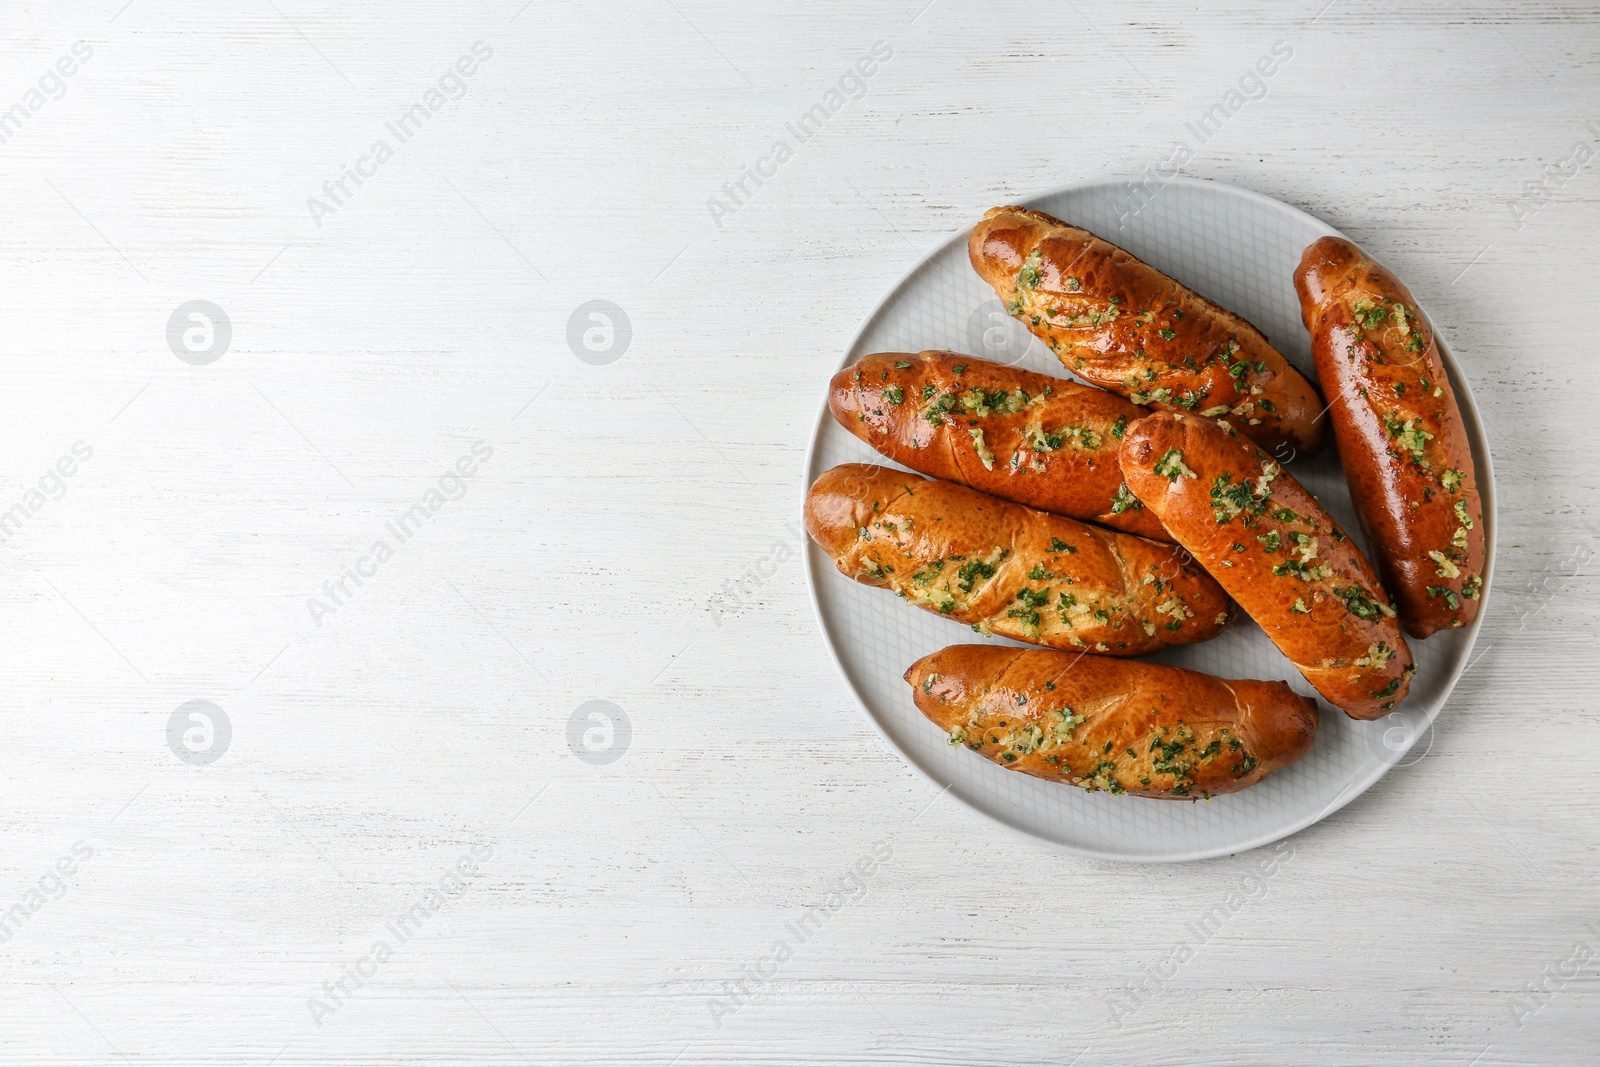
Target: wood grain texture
[[634, 539]]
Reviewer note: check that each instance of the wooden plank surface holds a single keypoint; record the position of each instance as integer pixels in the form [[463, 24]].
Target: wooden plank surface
[[627, 534]]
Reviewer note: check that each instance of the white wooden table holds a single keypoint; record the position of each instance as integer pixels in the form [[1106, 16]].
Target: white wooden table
[[399, 748]]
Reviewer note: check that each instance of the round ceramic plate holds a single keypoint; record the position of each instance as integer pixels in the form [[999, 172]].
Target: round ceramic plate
[[1240, 249]]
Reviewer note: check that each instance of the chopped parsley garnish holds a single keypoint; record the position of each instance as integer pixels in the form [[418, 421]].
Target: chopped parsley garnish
[[1191, 400], [1029, 275], [1238, 370], [1448, 594], [895, 394], [1124, 500], [1408, 435], [1362, 606], [972, 571], [1370, 315], [1227, 499], [1376, 656], [1302, 570], [1046, 442], [1171, 466], [1034, 598]]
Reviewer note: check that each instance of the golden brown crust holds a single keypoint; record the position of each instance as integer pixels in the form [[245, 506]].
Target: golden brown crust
[[1278, 553], [1045, 442], [1121, 324], [1401, 440], [1010, 570], [1115, 726]]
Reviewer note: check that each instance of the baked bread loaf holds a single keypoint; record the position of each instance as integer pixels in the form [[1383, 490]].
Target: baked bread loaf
[[1110, 725], [1119, 323], [1401, 439], [1277, 553], [1044, 442], [1009, 570]]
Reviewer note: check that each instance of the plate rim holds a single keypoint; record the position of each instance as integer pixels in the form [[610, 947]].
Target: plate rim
[[1477, 440]]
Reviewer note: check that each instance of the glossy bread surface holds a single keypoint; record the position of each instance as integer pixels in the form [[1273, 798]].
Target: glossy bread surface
[[1123, 325], [1277, 553], [1401, 439], [1045, 442], [1120, 727], [1010, 570]]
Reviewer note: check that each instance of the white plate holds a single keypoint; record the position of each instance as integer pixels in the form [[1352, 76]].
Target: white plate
[[1240, 249]]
